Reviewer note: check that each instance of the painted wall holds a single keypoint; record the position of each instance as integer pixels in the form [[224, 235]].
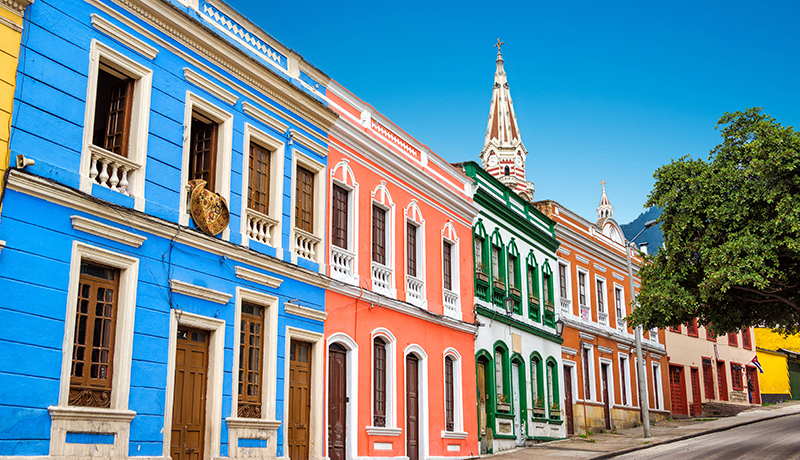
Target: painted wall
[[770, 340], [774, 381], [10, 35]]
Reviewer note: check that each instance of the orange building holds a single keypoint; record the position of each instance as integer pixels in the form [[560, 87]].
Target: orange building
[[400, 328], [599, 353]]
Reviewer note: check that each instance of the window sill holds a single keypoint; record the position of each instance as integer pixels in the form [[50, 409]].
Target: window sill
[[454, 435], [252, 423], [383, 431], [94, 414]]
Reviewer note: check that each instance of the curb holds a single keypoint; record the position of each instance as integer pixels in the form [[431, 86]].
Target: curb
[[685, 437]]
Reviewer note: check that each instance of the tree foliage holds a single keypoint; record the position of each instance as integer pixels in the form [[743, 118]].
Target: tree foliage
[[731, 230]]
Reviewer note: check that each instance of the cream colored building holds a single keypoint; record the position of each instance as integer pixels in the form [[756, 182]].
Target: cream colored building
[[706, 369]]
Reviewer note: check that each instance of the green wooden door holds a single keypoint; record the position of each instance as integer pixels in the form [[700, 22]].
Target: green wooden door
[[794, 379]]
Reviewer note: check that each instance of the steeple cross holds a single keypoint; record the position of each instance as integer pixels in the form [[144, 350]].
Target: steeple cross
[[499, 44], [603, 183]]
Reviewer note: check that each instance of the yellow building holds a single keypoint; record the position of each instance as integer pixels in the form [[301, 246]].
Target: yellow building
[[780, 358], [11, 14]]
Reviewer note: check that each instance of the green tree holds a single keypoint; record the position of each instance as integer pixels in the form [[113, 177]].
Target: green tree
[[731, 230]]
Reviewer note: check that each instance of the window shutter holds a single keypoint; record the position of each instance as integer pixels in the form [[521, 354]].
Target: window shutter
[[251, 359], [447, 250], [203, 152], [448, 394], [378, 235], [411, 249], [379, 385], [258, 186], [339, 224]]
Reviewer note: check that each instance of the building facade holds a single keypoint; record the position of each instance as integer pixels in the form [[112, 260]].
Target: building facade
[[706, 371], [594, 297], [517, 350], [779, 357], [167, 245]]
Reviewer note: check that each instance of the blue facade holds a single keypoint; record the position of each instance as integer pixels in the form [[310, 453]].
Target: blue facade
[[56, 215]]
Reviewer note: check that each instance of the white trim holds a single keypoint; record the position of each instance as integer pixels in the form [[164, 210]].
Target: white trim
[[383, 431], [586, 336], [391, 382], [105, 26], [107, 231], [297, 136], [353, 398], [458, 398], [192, 290], [604, 294], [316, 432], [138, 130], [413, 215], [214, 378], [209, 86], [263, 117], [605, 350], [449, 235], [346, 181], [610, 376], [422, 401], [317, 168], [658, 395], [256, 277], [222, 169], [304, 312], [89, 420], [383, 199], [592, 373], [624, 361]]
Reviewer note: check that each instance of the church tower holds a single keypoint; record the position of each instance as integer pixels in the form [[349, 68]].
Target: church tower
[[503, 154]]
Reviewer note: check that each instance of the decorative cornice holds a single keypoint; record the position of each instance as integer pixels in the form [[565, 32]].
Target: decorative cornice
[[11, 24], [564, 250], [192, 290], [255, 277], [308, 143], [105, 26], [16, 6], [107, 231], [383, 431], [581, 259], [305, 312], [264, 117], [454, 435], [502, 318], [606, 350], [586, 336], [600, 268], [623, 347], [203, 83], [94, 414], [252, 423], [568, 351], [618, 276]]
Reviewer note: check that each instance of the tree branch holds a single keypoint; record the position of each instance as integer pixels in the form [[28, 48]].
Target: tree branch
[[773, 296]]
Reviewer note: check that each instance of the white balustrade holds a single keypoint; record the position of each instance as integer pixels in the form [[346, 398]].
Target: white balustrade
[[306, 245], [450, 303], [260, 227], [414, 290], [566, 307], [381, 278], [342, 263], [654, 334], [111, 170], [603, 318], [621, 325]]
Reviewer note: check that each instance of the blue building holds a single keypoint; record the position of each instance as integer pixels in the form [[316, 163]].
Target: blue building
[[161, 262]]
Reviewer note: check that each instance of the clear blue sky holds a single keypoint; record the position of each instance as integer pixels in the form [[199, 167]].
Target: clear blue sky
[[602, 90]]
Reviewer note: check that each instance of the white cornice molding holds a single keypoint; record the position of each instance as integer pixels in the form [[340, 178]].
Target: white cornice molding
[[16, 6], [586, 336], [582, 259], [622, 347], [606, 350], [10, 24], [182, 287], [94, 414], [105, 26], [383, 431], [209, 86], [264, 117], [305, 312], [107, 231], [564, 250], [255, 277], [453, 435], [308, 143], [73, 199], [252, 423], [600, 268], [618, 276], [568, 351]]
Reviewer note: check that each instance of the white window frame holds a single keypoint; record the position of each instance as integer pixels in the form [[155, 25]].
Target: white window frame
[[413, 215], [621, 325], [557, 284], [458, 401], [611, 396], [449, 236], [139, 124], [250, 428], [646, 390], [655, 368], [301, 159], [117, 418], [276, 148], [342, 175], [592, 373], [572, 365], [604, 298], [624, 360], [587, 289], [222, 170], [352, 390], [391, 428], [381, 197], [422, 385]]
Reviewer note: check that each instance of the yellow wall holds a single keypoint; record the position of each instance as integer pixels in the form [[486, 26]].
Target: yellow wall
[[769, 340], [775, 379], [9, 52]]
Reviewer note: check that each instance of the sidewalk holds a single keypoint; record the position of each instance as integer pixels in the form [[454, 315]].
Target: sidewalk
[[609, 445]]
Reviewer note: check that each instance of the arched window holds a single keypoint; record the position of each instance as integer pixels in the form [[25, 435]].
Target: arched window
[[532, 278], [538, 397], [552, 388], [547, 295], [449, 394], [481, 253], [502, 378]]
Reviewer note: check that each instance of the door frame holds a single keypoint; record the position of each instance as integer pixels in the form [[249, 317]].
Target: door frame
[[682, 395], [317, 429], [608, 375], [214, 378], [351, 444], [422, 387]]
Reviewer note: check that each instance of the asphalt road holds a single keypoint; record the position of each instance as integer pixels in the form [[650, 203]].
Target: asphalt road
[[771, 439]]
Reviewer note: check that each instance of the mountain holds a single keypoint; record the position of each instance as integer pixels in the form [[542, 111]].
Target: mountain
[[652, 235]]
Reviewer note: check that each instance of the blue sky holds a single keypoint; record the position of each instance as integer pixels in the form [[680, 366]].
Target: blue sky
[[602, 90]]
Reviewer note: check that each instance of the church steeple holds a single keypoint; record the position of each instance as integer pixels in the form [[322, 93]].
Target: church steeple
[[605, 210], [503, 153]]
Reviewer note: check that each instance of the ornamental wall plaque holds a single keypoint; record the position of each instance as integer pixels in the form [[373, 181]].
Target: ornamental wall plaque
[[209, 210]]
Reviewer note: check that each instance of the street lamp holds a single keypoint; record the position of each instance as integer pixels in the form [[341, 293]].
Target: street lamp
[[643, 404], [559, 327], [509, 304]]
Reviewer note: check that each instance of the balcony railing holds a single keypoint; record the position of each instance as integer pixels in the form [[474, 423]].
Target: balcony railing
[[111, 170], [654, 335], [260, 227], [342, 263], [414, 290], [621, 325], [450, 303], [602, 318], [306, 245], [381, 278], [566, 306], [586, 313]]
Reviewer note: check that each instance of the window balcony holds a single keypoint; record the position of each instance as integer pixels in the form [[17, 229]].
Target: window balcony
[[586, 313], [306, 245], [382, 279], [566, 306], [602, 318], [342, 264], [621, 327], [111, 170], [260, 227], [451, 304], [415, 290]]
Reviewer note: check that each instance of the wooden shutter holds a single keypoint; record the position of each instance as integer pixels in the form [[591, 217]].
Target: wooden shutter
[[448, 394], [378, 234], [251, 359], [546, 287], [379, 385], [587, 390], [411, 249], [339, 217], [600, 305], [203, 152], [93, 343], [258, 184], [113, 112], [746, 343], [447, 250], [733, 339], [622, 379], [304, 200], [512, 270], [562, 279]]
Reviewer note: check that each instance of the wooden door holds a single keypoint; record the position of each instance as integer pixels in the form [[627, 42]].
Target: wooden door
[[697, 403], [516, 400], [722, 381], [337, 401], [794, 379], [412, 407], [568, 400], [189, 399], [752, 382], [482, 424], [708, 379], [677, 390], [299, 399], [606, 402]]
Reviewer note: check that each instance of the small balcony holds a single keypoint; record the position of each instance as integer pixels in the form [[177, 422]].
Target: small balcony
[[260, 227], [566, 306], [451, 304], [342, 264], [602, 318], [415, 290], [306, 245], [621, 327], [382, 279], [586, 313], [111, 170]]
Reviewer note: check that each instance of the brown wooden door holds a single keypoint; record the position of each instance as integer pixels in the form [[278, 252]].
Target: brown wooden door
[[697, 403], [412, 407], [482, 423], [337, 401], [754, 392], [606, 402], [708, 379], [722, 381], [189, 402], [568, 400], [299, 399], [677, 390]]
